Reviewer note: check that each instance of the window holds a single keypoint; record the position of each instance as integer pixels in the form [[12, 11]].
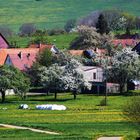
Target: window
[[94, 75]]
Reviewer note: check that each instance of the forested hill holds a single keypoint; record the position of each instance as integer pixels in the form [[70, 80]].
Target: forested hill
[[54, 13]]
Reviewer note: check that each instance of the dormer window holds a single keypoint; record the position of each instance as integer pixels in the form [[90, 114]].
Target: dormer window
[[28, 55], [20, 55]]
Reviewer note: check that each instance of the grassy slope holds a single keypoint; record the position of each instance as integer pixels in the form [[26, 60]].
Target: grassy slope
[[61, 41], [83, 119], [54, 13]]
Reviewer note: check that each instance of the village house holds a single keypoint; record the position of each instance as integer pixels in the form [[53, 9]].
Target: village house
[[21, 58], [95, 75]]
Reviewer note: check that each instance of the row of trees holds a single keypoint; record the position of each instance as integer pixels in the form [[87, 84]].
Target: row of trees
[[104, 21], [58, 73], [116, 20]]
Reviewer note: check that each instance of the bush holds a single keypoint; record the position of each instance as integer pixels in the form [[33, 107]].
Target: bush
[[132, 109], [27, 29], [70, 24], [133, 93]]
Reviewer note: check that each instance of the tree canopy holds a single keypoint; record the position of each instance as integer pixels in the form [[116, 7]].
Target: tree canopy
[[12, 78], [124, 67], [63, 78]]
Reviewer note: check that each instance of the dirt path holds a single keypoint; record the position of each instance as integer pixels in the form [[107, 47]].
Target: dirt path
[[28, 128]]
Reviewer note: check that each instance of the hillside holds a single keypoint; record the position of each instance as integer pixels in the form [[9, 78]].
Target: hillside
[[54, 13]]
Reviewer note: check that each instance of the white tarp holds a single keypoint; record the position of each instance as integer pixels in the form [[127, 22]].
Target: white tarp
[[51, 107]]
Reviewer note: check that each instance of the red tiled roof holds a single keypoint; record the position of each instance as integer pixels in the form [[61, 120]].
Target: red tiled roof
[[125, 42], [27, 59]]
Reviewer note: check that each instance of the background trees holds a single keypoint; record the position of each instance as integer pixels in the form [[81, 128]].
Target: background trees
[[12, 78], [88, 38], [27, 29]]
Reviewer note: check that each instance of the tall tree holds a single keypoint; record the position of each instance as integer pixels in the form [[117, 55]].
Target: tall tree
[[102, 26], [88, 38], [12, 78], [125, 66]]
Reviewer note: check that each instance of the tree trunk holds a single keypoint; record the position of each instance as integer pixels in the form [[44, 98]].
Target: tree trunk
[[2, 96], [121, 89], [55, 95], [23, 96], [74, 96]]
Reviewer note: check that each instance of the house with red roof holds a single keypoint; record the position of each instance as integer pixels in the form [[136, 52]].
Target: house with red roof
[[3, 42], [125, 42], [23, 58], [19, 58]]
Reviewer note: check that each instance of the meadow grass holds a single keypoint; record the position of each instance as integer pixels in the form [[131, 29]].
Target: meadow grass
[[55, 13], [84, 119], [61, 41]]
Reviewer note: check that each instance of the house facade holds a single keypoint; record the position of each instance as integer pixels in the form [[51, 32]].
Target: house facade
[[95, 75]]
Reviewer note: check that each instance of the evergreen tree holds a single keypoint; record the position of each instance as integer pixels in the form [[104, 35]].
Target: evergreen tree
[[102, 26]]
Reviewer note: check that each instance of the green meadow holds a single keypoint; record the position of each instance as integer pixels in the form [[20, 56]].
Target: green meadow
[[54, 13], [61, 41], [84, 118]]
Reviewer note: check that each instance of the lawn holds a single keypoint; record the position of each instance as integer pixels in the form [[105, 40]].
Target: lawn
[[84, 119], [51, 14]]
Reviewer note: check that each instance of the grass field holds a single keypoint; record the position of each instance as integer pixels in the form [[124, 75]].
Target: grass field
[[61, 41], [84, 119], [54, 13]]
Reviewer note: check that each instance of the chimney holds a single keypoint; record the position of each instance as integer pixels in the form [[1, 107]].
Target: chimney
[[20, 55]]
